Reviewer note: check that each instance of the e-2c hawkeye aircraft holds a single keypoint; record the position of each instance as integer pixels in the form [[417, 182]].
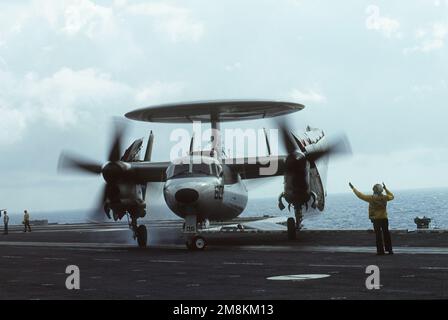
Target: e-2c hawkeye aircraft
[[205, 186]]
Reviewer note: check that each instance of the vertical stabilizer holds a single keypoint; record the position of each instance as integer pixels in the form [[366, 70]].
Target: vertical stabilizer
[[148, 152]]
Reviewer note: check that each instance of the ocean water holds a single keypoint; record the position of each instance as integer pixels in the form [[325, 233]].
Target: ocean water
[[343, 211], [346, 211]]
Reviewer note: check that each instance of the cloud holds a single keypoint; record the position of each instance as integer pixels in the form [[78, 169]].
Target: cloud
[[67, 97], [307, 96], [14, 119], [155, 93], [233, 66], [63, 17], [430, 39], [387, 26], [13, 124], [429, 89], [87, 18], [421, 92], [3, 63], [60, 99], [439, 3], [295, 2], [175, 21]]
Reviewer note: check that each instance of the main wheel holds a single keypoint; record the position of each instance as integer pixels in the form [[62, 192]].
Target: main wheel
[[142, 236], [291, 224]]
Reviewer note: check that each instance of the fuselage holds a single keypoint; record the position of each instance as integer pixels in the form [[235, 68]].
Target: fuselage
[[196, 185]]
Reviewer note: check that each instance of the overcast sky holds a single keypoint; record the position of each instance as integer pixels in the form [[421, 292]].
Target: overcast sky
[[377, 70]]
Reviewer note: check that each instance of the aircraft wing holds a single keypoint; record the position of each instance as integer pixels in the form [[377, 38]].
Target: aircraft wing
[[144, 172], [257, 167]]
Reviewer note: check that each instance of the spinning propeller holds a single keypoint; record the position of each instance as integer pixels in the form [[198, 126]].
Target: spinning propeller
[[297, 152], [112, 171]]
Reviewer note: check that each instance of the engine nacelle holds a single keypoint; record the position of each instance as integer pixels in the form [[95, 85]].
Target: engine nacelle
[[114, 171], [125, 198], [297, 182]]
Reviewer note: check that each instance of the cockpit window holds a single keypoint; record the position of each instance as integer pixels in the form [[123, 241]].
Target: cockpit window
[[202, 168], [178, 169]]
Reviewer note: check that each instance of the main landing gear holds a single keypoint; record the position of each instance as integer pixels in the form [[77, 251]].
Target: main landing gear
[[142, 236], [294, 225], [140, 233], [292, 232]]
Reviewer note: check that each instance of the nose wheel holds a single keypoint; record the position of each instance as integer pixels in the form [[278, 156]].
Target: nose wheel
[[196, 243], [190, 230]]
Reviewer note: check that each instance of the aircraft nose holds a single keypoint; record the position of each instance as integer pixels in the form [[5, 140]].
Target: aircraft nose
[[187, 195]]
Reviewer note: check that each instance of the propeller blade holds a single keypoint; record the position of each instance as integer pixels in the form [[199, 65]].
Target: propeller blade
[[337, 146], [70, 162], [192, 144], [286, 137], [116, 146], [97, 214], [268, 144]]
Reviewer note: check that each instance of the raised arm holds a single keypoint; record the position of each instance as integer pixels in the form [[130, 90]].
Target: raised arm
[[360, 195], [389, 195]]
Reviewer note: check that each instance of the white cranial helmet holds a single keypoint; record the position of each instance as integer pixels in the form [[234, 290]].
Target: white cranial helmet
[[377, 188]]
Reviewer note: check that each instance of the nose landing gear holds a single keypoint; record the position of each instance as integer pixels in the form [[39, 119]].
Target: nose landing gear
[[190, 230]]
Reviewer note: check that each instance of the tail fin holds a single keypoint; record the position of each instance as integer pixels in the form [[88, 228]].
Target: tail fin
[[148, 153], [148, 156]]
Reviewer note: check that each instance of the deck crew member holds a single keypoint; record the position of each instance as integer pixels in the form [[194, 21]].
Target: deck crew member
[[26, 221], [378, 215], [5, 222]]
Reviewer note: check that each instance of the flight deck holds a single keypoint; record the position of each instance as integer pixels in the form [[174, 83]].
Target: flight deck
[[320, 264]]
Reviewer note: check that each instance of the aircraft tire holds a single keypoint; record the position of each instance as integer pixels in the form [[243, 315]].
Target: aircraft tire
[[142, 236], [199, 243], [291, 224]]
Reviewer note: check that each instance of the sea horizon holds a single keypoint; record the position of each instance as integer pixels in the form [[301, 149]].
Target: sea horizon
[[343, 211]]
